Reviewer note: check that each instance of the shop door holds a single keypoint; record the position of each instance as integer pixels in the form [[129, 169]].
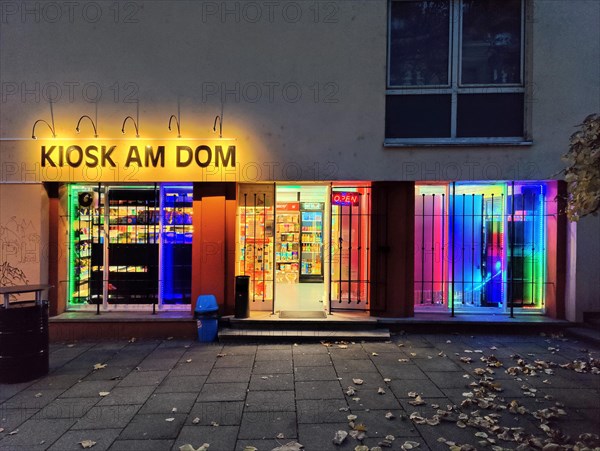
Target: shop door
[[350, 238], [131, 266]]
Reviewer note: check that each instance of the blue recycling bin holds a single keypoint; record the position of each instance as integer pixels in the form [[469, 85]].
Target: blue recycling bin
[[206, 314]]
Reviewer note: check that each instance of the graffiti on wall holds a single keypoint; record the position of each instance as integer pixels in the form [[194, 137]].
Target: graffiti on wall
[[19, 249]]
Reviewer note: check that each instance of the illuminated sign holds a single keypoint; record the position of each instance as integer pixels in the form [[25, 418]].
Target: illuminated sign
[[113, 160], [345, 199]]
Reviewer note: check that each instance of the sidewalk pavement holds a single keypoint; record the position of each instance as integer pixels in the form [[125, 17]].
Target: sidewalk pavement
[[436, 390]]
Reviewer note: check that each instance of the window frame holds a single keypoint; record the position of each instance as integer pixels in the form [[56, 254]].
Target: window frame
[[456, 87]]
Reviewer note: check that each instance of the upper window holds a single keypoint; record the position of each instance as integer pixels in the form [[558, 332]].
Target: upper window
[[455, 71]]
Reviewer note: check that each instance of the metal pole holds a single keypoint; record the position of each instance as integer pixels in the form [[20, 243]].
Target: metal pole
[[422, 248], [512, 251], [453, 237], [433, 249]]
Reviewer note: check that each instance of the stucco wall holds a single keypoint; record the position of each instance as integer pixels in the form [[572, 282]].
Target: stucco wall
[[189, 50], [23, 234]]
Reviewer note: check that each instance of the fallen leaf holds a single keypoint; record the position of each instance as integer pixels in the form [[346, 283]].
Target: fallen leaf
[[221, 355], [361, 448], [390, 416], [434, 421], [264, 377], [358, 381], [403, 360], [250, 448], [291, 446], [380, 391], [170, 419], [339, 437], [1, 430], [188, 447], [99, 366], [387, 379], [343, 346], [412, 394], [132, 340], [418, 401], [410, 445], [87, 443], [280, 436], [188, 361], [351, 417], [70, 345], [196, 420], [351, 391], [13, 432], [461, 424], [104, 393], [169, 338], [413, 354], [374, 354], [174, 409], [38, 395]]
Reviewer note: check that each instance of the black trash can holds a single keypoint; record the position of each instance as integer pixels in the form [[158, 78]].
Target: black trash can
[[242, 290], [23, 342]]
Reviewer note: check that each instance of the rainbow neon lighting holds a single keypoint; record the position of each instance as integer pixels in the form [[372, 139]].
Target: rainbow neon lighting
[[463, 239]]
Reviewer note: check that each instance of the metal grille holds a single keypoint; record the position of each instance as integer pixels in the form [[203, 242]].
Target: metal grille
[[480, 245], [350, 248]]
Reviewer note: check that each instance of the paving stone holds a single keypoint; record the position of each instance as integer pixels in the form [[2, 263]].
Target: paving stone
[[70, 441], [153, 364], [218, 375], [89, 389], [378, 426], [141, 445], [229, 391], [166, 402], [319, 437], [239, 349], [107, 417], [272, 382], [127, 395], [353, 366], [309, 348], [109, 373], [426, 409], [54, 382], [138, 378], [235, 361], [438, 364], [581, 398], [453, 380], [371, 399], [314, 373], [194, 368], [181, 384], [425, 388], [321, 410], [272, 366], [265, 401], [219, 438], [268, 425], [68, 408], [401, 371], [36, 435], [273, 354], [223, 413], [370, 380], [319, 390], [312, 360], [168, 353], [11, 419], [258, 443], [380, 347], [275, 347], [32, 399], [153, 427], [353, 352]]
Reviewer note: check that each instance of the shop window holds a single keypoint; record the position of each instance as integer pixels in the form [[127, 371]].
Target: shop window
[[255, 247], [350, 247], [478, 245], [455, 71], [129, 245]]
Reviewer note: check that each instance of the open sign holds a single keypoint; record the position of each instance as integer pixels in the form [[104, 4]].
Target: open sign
[[349, 198]]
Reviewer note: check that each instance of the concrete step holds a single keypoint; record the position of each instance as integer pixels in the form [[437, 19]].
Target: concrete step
[[293, 334]]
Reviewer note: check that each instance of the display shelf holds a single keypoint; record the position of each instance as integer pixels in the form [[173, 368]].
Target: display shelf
[[256, 248], [311, 264]]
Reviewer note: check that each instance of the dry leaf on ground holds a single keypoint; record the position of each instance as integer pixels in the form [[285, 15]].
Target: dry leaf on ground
[[87, 443]]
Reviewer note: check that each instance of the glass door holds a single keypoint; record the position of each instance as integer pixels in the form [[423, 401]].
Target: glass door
[[311, 242]]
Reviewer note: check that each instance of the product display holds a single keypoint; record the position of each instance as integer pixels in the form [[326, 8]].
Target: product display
[[311, 261], [287, 253]]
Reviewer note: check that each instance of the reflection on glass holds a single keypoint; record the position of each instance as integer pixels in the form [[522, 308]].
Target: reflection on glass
[[419, 34], [491, 42]]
